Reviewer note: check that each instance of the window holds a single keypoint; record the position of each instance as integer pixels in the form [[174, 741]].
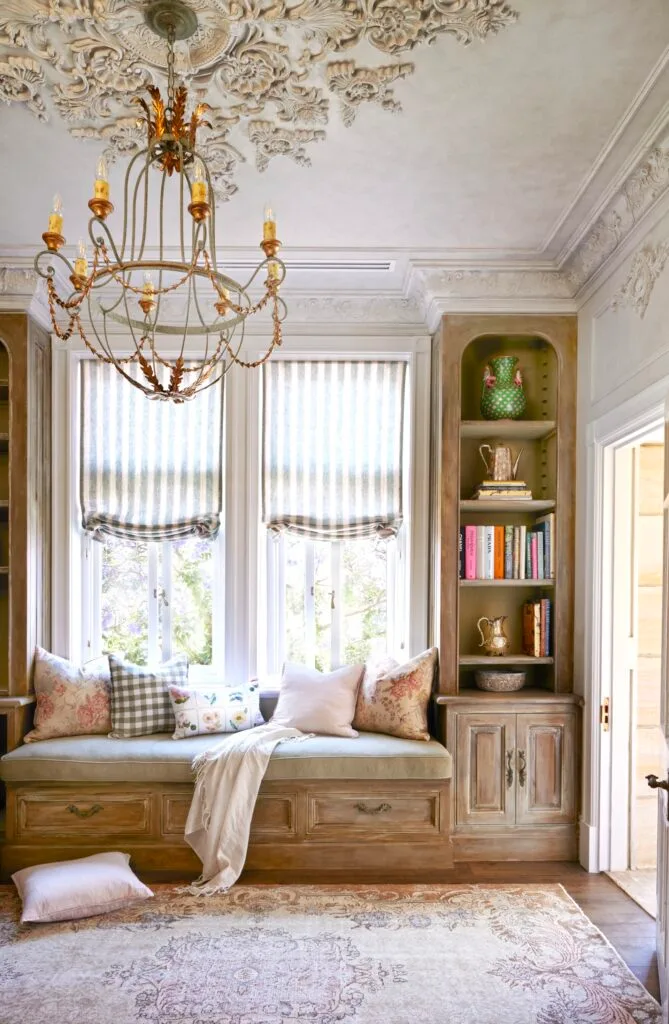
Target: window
[[151, 497], [157, 599], [334, 600], [333, 463]]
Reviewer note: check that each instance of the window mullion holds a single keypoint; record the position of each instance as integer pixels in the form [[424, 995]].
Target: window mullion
[[310, 602], [153, 595], [165, 601], [336, 602]]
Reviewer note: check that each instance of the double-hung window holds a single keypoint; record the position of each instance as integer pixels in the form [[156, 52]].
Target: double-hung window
[[333, 494], [151, 496]]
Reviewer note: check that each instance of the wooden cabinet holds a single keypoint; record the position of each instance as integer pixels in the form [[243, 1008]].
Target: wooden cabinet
[[516, 774], [545, 753], [484, 748]]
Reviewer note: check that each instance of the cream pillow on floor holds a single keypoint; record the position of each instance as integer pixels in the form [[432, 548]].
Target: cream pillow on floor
[[70, 889], [320, 702]]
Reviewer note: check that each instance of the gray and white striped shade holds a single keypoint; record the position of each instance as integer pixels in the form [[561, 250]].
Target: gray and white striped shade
[[333, 447], [150, 470]]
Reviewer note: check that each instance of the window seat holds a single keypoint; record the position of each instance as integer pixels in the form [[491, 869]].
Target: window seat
[[159, 758], [376, 806]]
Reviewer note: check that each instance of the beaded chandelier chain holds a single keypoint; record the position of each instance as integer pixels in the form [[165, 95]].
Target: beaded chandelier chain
[[140, 289]]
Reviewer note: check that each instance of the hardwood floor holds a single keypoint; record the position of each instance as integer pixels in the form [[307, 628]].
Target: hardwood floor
[[629, 929]]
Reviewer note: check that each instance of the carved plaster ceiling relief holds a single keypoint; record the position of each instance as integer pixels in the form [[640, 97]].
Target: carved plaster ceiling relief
[[646, 267], [268, 67], [646, 184]]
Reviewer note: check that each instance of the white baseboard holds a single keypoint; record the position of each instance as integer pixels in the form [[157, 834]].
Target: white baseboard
[[588, 846]]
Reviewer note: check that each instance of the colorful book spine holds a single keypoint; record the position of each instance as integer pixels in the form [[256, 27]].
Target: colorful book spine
[[549, 615], [508, 552], [522, 553], [498, 550], [470, 552], [534, 573], [540, 556], [480, 552], [516, 553], [461, 553], [489, 553]]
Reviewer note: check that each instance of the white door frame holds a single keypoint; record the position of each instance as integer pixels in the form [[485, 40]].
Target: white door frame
[[623, 426]]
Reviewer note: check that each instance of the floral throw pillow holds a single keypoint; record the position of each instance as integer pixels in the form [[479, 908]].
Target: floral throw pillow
[[394, 699], [215, 709], [70, 701]]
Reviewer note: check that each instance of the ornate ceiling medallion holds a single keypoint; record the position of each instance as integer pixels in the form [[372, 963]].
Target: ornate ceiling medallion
[[266, 67]]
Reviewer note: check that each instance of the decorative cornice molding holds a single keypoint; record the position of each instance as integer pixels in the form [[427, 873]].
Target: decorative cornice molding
[[644, 186], [647, 265], [264, 69], [21, 291]]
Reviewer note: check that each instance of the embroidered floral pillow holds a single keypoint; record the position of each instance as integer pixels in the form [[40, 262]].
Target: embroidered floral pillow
[[216, 709], [71, 701], [394, 699]]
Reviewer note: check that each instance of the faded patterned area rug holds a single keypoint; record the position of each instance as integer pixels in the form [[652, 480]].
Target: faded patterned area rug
[[452, 954]]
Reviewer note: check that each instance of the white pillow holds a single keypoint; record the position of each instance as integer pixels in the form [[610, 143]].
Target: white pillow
[[320, 702], [69, 889]]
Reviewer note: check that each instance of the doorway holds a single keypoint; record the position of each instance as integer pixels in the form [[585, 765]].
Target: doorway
[[634, 713]]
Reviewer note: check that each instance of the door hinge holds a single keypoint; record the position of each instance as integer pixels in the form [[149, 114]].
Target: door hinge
[[605, 714]]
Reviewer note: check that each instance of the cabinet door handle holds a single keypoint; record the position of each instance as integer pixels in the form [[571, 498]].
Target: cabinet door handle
[[88, 813], [381, 809], [509, 769], [522, 768]]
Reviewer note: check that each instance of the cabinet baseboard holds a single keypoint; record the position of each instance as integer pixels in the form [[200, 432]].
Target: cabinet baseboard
[[541, 844]]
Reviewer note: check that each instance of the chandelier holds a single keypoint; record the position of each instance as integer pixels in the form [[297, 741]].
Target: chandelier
[[149, 295]]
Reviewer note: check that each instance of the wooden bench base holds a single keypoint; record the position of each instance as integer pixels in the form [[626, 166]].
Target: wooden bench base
[[392, 828]]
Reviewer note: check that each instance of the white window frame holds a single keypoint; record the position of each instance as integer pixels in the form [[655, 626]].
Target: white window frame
[[408, 614], [241, 579], [77, 562], [276, 652]]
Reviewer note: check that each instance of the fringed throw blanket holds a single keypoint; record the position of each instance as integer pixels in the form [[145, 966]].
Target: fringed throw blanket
[[219, 820]]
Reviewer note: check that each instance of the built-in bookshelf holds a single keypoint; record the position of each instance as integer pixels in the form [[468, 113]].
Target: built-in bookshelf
[[545, 441]]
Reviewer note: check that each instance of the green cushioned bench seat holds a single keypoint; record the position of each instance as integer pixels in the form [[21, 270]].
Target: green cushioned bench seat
[[159, 758]]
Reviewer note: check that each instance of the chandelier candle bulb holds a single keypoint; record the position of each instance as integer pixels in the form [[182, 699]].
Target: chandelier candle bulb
[[101, 188]]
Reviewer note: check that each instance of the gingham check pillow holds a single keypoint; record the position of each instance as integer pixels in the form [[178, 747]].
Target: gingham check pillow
[[140, 700]]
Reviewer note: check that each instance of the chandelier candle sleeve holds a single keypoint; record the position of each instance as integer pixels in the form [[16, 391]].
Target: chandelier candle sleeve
[[269, 225], [101, 188], [198, 190], [81, 262], [56, 216]]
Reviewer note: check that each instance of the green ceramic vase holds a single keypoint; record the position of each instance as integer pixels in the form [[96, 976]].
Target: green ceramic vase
[[502, 395]]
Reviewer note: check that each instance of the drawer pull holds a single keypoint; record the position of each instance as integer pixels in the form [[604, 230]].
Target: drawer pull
[[88, 813], [381, 809]]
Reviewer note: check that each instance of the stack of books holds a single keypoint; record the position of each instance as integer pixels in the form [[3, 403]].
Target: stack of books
[[508, 552], [537, 628], [512, 489]]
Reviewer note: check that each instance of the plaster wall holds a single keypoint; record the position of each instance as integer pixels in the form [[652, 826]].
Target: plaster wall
[[623, 380]]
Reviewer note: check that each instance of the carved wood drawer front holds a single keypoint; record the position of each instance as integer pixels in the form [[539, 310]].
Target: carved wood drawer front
[[65, 814], [274, 815], [391, 813]]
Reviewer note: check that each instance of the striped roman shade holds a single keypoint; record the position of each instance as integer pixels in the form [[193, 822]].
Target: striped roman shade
[[150, 470], [333, 447]]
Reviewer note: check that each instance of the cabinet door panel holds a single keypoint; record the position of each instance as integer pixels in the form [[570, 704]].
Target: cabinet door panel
[[545, 769], [485, 786]]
